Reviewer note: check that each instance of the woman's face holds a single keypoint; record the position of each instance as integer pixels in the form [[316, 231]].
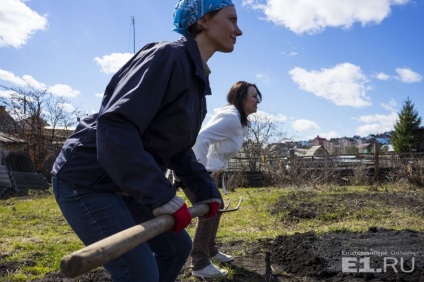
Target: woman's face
[[251, 101], [222, 30]]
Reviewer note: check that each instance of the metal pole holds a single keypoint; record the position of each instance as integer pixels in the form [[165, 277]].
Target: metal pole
[[133, 23]]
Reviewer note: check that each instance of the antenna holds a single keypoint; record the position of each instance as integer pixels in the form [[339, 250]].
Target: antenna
[[133, 23]]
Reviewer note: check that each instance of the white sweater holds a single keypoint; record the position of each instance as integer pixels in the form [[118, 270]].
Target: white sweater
[[220, 139]]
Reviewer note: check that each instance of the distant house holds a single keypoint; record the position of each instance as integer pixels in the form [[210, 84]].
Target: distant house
[[342, 145], [387, 149], [386, 135], [383, 141], [17, 171], [280, 149], [7, 125], [314, 151], [303, 144], [10, 143], [366, 148], [370, 137], [319, 141]]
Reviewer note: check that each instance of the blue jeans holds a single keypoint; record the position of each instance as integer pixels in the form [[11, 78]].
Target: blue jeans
[[95, 215]]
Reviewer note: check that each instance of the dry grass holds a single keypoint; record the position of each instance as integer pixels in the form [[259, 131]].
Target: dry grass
[[34, 235]]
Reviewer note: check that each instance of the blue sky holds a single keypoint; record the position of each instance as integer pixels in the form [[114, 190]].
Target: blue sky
[[328, 68]]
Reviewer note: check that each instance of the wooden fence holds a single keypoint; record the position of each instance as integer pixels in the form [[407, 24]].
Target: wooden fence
[[374, 167]]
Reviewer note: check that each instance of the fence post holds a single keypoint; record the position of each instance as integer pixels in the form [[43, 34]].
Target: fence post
[[376, 162]]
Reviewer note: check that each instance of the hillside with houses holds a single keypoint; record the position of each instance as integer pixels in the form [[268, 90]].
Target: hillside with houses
[[334, 146]]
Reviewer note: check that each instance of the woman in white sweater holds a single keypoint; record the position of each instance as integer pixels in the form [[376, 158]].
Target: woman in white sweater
[[219, 141]]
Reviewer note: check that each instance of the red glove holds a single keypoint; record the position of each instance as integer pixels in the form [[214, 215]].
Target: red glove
[[182, 218], [213, 209]]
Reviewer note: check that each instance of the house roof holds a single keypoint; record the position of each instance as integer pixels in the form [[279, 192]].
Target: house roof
[[7, 138], [388, 148], [311, 151], [361, 146], [320, 138], [383, 141], [6, 121], [314, 149]]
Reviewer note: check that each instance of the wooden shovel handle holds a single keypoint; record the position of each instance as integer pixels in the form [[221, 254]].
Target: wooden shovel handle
[[103, 251]]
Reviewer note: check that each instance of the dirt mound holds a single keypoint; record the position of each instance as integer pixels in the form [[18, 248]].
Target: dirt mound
[[376, 255]]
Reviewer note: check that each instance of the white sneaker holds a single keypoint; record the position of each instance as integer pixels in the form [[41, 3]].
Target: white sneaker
[[220, 256], [210, 271]]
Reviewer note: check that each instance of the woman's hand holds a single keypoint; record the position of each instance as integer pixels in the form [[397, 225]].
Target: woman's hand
[[178, 209], [213, 209]]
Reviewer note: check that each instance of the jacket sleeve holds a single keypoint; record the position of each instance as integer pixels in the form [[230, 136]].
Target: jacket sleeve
[[131, 105], [194, 176], [223, 128]]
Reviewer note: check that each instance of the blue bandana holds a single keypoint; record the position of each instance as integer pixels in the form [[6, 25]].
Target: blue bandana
[[187, 12]]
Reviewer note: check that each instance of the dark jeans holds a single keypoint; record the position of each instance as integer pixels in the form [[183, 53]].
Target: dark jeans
[[95, 215]]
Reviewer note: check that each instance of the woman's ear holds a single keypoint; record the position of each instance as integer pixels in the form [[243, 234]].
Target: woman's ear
[[202, 23]]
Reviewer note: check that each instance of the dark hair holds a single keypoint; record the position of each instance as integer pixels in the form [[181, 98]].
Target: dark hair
[[237, 95], [196, 28]]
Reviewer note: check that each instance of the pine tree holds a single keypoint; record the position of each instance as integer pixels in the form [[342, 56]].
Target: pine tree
[[405, 137]]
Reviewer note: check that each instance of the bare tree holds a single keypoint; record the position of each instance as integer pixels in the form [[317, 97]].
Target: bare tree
[[43, 120], [263, 130], [255, 157]]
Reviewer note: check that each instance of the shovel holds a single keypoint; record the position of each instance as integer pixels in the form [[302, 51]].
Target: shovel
[[103, 251]]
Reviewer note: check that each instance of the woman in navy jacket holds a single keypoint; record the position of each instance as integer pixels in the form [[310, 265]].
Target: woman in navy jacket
[[109, 175]]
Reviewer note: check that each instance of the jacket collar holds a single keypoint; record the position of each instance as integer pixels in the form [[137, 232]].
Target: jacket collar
[[195, 55]]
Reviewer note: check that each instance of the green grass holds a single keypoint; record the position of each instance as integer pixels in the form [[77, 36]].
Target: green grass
[[267, 213], [34, 235]]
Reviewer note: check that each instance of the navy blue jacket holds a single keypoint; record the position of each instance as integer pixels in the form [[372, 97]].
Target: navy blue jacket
[[150, 115]]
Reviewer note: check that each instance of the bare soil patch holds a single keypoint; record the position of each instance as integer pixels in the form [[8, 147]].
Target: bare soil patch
[[375, 255], [309, 257]]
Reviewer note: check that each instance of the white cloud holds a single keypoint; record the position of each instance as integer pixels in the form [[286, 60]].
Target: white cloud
[[329, 135], [29, 81], [113, 62], [378, 118], [306, 16], [267, 117], [18, 23], [290, 54], [6, 93], [25, 81], [11, 77], [368, 129], [343, 85], [32, 82], [263, 77], [63, 90], [408, 76], [67, 107], [382, 76], [376, 123], [305, 125], [390, 106], [100, 95]]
